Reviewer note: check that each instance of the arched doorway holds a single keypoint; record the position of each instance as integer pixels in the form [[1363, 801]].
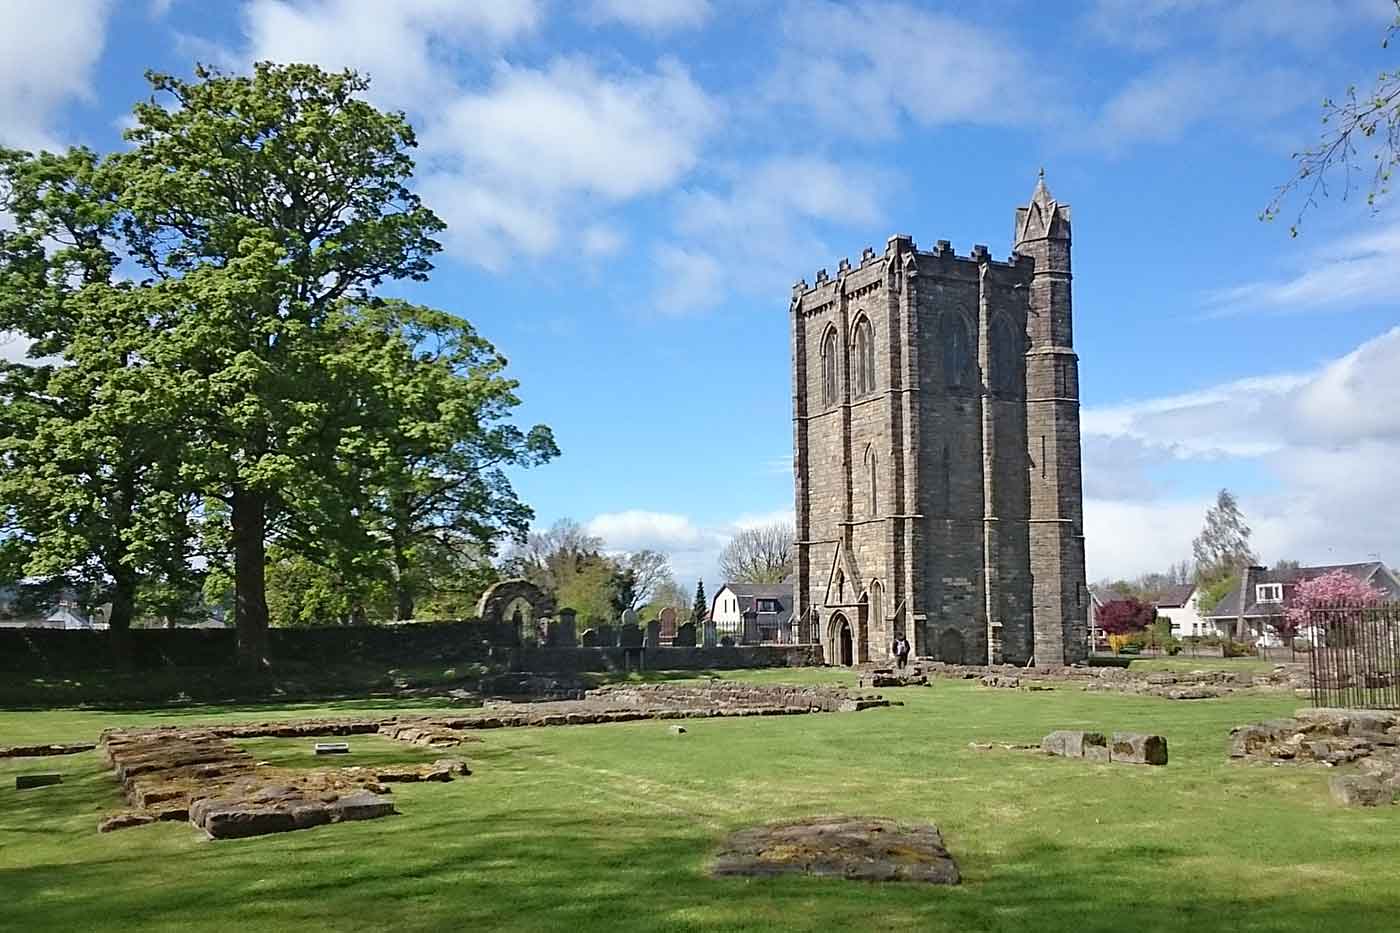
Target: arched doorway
[[842, 641], [950, 647]]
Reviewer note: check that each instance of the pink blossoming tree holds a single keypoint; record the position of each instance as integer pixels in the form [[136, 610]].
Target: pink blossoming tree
[[1337, 589]]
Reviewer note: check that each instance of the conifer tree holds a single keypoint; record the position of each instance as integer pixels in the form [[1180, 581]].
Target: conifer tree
[[701, 609]]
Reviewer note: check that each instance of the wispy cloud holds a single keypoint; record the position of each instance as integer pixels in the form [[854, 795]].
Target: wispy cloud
[[1358, 270], [655, 16]]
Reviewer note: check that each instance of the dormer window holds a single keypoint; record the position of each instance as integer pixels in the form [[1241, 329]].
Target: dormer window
[[767, 605], [1268, 593]]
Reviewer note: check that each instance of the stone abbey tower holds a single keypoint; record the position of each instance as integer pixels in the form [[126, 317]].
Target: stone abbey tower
[[936, 451]]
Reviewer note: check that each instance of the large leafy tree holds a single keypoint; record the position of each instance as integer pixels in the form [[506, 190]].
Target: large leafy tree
[[91, 490], [425, 402], [261, 203]]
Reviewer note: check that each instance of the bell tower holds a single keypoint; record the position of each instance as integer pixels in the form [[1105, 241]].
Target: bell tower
[[1059, 592]]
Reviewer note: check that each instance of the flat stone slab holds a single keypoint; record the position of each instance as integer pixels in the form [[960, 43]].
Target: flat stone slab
[[851, 848], [42, 779]]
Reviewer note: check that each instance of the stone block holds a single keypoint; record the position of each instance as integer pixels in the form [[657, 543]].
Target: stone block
[[41, 779], [1097, 753], [1360, 790], [1136, 748], [1069, 743], [332, 748]]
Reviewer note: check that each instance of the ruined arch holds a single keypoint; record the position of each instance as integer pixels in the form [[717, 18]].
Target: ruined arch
[[516, 602]]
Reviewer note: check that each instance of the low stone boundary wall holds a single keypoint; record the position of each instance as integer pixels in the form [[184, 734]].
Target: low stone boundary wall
[[48, 651]]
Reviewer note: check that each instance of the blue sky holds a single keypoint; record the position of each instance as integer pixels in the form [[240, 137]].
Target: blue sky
[[632, 188]]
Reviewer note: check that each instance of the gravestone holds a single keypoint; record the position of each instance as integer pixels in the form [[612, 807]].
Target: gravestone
[[332, 748], [711, 634], [562, 630], [590, 638], [685, 636], [668, 624], [607, 636], [652, 638], [749, 635], [630, 635], [629, 617]]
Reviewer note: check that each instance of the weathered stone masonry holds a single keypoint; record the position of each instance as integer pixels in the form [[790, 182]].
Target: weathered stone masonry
[[936, 451]]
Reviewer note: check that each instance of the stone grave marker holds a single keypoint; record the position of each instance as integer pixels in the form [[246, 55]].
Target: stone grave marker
[[668, 623], [711, 634], [685, 636], [607, 636], [652, 638], [332, 748], [590, 638], [41, 779], [630, 635]]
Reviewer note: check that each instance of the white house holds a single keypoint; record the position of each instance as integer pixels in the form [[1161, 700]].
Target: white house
[[1182, 605], [770, 602]]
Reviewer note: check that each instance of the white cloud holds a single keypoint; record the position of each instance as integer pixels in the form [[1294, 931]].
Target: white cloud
[[860, 69], [693, 548], [402, 45], [1358, 269], [47, 54], [1155, 24], [508, 164], [599, 240], [652, 15], [1172, 97], [751, 235], [1320, 446]]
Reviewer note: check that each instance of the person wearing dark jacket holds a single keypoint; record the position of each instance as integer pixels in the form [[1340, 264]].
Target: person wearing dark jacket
[[900, 650]]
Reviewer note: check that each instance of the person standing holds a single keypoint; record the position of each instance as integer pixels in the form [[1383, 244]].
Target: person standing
[[900, 650]]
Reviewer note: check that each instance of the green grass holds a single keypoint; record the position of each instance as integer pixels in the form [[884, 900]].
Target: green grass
[[1183, 664], [608, 828]]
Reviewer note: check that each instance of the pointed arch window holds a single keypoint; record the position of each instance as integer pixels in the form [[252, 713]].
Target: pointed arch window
[[1008, 357], [830, 359], [872, 473], [957, 350], [864, 357], [840, 588]]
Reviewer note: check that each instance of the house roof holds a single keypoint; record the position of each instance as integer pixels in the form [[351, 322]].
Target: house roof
[[1229, 605], [1107, 594], [1175, 596], [747, 593]]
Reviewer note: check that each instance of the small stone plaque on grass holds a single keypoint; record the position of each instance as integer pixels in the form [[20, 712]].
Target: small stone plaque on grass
[[332, 748], [855, 849]]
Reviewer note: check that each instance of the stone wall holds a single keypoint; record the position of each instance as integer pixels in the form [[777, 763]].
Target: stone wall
[[46, 651]]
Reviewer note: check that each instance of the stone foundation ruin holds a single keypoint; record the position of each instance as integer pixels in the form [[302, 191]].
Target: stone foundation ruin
[[1366, 742], [197, 774]]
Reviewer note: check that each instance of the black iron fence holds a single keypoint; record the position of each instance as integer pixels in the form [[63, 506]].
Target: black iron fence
[[1355, 656]]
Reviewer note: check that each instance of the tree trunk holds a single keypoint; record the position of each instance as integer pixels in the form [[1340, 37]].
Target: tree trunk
[[403, 592], [249, 526], [123, 609]]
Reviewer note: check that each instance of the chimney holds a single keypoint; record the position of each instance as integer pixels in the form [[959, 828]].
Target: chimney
[[1249, 578]]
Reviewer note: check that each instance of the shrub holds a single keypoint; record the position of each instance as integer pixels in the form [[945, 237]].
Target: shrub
[[1237, 649]]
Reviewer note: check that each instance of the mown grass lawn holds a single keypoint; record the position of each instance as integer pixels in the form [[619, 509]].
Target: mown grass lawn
[[609, 827]]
